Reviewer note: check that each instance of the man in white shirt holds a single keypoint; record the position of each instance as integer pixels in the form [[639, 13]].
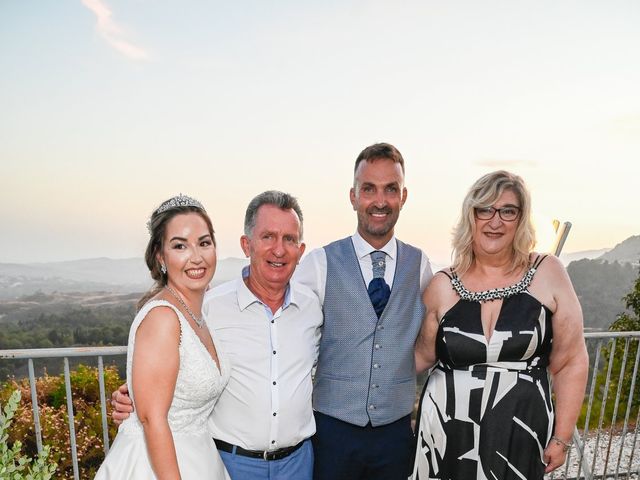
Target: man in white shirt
[[269, 328], [370, 289]]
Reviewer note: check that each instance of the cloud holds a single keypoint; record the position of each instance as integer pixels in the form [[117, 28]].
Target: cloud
[[113, 33], [505, 163]]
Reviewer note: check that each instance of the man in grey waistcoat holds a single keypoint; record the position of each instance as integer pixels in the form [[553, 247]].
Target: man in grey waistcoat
[[370, 287]]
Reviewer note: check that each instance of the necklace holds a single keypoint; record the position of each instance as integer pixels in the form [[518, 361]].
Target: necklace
[[494, 293], [199, 321]]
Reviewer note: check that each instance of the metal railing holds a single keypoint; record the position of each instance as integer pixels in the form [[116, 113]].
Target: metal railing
[[65, 354], [609, 449], [603, 448]]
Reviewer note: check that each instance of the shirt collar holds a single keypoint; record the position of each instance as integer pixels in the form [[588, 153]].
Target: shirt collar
[[246, 297], [363, 249]]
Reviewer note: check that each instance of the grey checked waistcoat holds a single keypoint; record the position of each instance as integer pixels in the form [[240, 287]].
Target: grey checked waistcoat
[[366, 366]]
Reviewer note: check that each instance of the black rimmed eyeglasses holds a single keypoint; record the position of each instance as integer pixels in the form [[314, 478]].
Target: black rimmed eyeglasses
[[507, 214]]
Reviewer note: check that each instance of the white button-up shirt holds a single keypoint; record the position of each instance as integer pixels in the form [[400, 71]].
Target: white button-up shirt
[[267, 403], [312, 272]]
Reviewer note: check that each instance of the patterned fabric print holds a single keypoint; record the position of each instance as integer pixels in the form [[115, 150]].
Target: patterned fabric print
[[486, 410]]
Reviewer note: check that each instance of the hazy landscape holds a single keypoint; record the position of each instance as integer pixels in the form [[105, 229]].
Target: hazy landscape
[[92, 302], [74, 303]]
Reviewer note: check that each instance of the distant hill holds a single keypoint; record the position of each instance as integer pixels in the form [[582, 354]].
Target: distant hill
[[602, 280], [628, 251], [90, 275], [567, 258], [600, 286]]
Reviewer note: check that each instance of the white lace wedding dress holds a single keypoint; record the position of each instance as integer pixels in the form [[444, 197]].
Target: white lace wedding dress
[[198, 386]]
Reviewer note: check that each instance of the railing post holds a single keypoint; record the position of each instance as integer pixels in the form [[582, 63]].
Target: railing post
[[582, 465], [614, 415], [603, 405], [72, 428], [103, 406], [34, 406]]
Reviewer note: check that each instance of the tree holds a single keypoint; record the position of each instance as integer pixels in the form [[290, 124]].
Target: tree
[[632, 299]]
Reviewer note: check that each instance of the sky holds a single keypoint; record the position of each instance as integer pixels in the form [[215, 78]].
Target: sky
[[108, 107]]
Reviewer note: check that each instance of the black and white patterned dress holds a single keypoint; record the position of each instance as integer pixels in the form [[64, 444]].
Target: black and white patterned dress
[[486, 410]]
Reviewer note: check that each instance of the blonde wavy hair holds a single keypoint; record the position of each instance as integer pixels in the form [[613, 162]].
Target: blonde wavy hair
[[484, 193]]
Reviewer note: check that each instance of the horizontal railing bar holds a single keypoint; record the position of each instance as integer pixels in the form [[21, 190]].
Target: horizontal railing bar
[[63, 352], [121, 350], [611, 334]]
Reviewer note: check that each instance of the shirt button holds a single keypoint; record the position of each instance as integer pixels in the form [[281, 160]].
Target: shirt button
[[374, 385], [272, 321], [274, 414], [274, 352], [372, 407], [274, 383], [376, 365], [380, 327], [272, 442], [377, 346]]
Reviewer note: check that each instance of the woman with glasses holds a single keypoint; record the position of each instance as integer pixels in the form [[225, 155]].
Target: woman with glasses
[[501, 322]]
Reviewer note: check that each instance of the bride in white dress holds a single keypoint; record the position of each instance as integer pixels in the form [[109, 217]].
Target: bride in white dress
[[175, 371]]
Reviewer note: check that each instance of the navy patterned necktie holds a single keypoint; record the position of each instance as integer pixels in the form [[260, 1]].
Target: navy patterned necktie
[[378, 289]]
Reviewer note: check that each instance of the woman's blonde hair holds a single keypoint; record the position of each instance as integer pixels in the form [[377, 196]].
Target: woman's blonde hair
[[483, 193]]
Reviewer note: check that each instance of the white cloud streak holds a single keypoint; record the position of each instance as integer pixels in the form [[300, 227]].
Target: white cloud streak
[[113, 33]]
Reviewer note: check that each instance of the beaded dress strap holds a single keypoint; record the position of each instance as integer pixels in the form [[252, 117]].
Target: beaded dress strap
[[494, 293]]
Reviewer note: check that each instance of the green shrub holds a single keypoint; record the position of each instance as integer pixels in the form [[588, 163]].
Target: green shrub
[[14, 465], [54, 420]]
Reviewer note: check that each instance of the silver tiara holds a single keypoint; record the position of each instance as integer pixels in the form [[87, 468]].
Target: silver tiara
[[177, 201]]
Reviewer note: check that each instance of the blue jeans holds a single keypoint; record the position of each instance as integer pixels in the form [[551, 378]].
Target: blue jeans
[[298, 466]]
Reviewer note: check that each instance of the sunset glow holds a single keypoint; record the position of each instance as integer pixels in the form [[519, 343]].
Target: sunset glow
[[110, 107]]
